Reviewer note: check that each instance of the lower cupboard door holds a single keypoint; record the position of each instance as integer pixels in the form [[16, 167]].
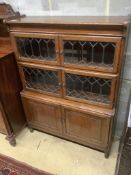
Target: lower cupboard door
[[43, 115], [86, 129]]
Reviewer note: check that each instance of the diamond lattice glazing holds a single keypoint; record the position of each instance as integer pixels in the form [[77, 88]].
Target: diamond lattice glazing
[[36, 48], [88, 88], [89, 53], [41, 80]]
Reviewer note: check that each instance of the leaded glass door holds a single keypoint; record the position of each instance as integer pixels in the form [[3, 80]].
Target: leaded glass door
[[89, 87], [41, 48], [90, 52], [41, 79]]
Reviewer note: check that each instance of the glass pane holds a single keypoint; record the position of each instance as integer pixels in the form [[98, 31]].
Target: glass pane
[[36, 48], [41, 80], [88, 88], [89, 53]]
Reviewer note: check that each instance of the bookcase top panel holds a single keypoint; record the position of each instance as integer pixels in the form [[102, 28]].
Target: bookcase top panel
[[72, 20]]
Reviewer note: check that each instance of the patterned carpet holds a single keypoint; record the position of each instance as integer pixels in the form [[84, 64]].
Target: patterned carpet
[[9, 166]]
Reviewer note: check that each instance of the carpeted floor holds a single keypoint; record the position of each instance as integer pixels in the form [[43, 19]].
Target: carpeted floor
[[9, 166]]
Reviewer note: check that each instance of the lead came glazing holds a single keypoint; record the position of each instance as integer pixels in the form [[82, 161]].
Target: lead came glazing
[[88, 88], [97, 54], [36, 48], [41, 80]]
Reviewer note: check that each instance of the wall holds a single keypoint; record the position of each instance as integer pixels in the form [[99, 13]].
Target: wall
[[84, 7]]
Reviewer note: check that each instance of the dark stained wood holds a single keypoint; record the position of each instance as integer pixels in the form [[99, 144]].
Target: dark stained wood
[[12, 117], [6, 12], [88, 123], [10, 86], [5, 47], [9, 91], [3, 29]]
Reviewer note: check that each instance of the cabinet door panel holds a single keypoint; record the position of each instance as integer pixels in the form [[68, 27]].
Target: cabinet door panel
[[91, 52], [41, 48], [43, 80], [89, 87], [43, 115], [86, 128]]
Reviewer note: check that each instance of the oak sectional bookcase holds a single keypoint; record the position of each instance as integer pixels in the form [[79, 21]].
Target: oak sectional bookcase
[[70, 69]]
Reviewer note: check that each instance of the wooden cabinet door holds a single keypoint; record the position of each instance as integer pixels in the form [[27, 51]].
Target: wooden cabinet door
[[37, 48], [89, 87], [85, 128], [90, 52], [43, 115]]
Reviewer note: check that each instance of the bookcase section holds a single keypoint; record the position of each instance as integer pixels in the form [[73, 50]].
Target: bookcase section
[[93, 53], [89, 88], [38, 48]]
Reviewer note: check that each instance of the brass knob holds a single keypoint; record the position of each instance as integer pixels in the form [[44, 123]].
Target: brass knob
[[61, 52], [60, 84], [57, 52]]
